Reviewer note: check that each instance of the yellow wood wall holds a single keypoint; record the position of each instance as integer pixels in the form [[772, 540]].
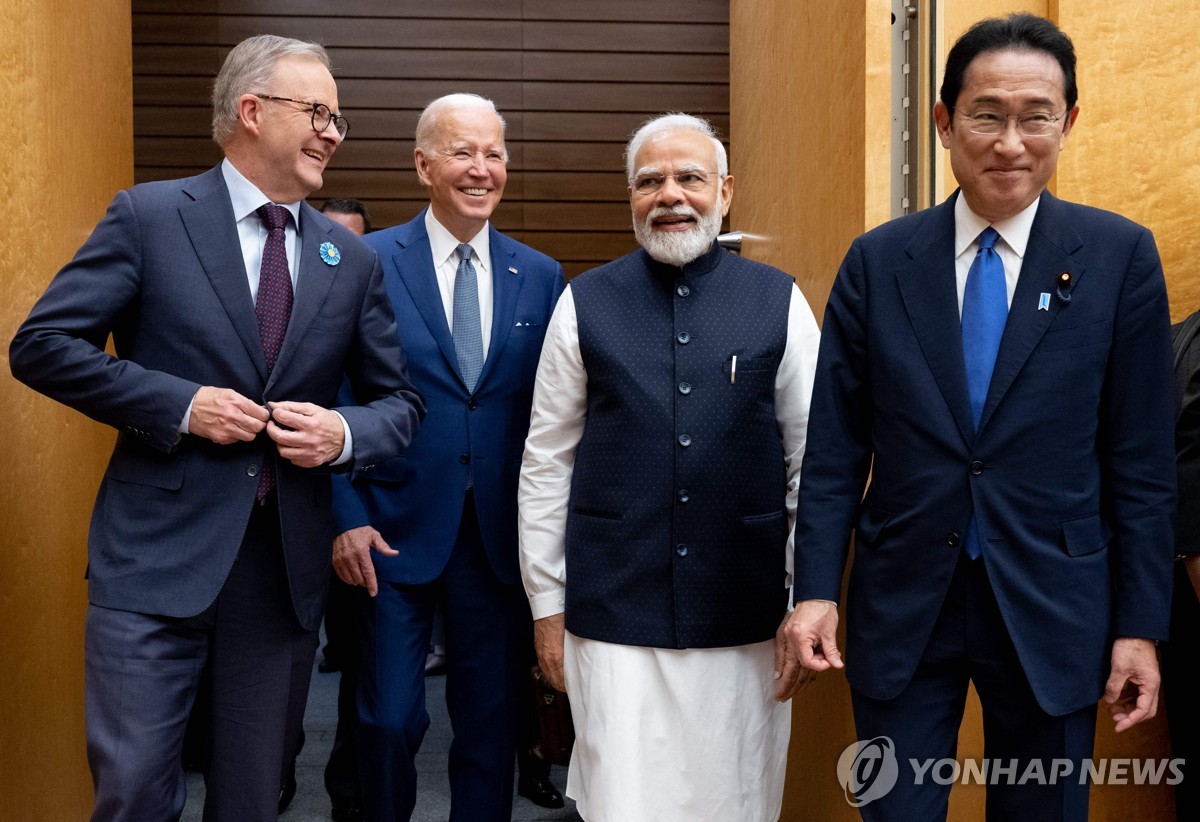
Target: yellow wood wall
[[65, 79]]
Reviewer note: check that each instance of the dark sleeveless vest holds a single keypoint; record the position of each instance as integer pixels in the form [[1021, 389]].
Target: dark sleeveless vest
[[677, 527]]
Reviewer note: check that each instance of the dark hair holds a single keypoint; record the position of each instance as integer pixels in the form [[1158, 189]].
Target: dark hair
[[349, 206], [1016, 32]]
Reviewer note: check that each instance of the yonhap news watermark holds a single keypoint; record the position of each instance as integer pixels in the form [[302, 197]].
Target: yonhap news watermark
[[868, 770]]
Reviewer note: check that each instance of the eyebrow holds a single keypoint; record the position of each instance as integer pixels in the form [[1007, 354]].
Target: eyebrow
[[644, 170], [993, 100]]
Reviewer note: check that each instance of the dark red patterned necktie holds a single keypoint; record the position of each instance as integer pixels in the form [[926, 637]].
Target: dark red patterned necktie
[[273, 308]]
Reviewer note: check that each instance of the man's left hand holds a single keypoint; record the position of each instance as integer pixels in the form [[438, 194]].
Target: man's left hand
[[791, 677], [315, 437], [1132, 689]]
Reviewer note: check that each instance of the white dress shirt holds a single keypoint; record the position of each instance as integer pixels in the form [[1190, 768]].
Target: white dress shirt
[[444, 247], [1014, 239]]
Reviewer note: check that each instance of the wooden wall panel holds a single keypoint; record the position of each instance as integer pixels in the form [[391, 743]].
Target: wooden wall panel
[[573, 80], [66, 67]]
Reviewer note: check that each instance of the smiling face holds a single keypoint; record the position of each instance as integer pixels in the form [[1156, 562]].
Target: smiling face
[[279, 151], [1001, 174], [674, 224], [465, 169]]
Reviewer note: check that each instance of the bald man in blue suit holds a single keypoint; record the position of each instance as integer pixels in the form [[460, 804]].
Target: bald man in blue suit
[[443, 518]]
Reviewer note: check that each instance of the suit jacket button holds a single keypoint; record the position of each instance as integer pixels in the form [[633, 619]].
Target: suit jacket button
[[953, 539], [471, 406], [252, 471], [976, 467], [464, 458]]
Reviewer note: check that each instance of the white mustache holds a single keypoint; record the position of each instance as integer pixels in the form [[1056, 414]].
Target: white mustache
[[675, 211]]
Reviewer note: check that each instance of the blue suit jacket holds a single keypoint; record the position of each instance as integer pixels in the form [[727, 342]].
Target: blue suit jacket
[[1071, 471], [163, 273], [416, 500]]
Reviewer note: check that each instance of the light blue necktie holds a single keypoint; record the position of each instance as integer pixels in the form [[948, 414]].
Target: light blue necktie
[[468, 336], [984, 312]]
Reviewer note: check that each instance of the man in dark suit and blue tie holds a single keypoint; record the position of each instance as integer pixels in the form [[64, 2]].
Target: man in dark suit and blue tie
[[473, 306], [1000, 365], [235, 310]]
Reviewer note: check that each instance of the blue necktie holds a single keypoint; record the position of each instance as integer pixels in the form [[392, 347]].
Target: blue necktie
[[984, 312], [468, 336]]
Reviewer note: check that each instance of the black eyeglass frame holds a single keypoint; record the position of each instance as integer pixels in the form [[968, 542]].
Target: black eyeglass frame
[[340, 123]]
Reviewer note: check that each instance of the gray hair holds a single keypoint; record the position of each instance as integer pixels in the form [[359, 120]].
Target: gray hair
[[249, 69], [670, 122], [427, 123]]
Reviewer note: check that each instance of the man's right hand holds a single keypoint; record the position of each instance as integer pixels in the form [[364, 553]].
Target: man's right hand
[[549, 633], [225, 416], [352, 556], [811, 631]]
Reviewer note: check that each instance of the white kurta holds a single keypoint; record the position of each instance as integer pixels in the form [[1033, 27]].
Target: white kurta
[[661, 734]]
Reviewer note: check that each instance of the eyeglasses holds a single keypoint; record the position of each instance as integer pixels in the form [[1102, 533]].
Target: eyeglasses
[[696, 179], [1035, 124], [321, 115]]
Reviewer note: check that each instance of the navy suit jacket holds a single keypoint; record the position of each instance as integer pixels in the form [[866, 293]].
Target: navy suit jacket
[[416, 500], [1070, 473], [163, 273]]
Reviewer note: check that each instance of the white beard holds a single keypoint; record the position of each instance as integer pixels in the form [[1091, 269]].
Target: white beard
[[678, 248]]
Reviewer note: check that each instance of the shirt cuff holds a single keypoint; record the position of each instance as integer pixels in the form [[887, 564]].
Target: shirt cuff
[[548, 603], [347, 445], [185, 423]]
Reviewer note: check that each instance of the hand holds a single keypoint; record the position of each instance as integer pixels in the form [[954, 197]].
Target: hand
[[549, 634], [811, 631], [225, 416], [352, 556], [1132, 689], [316, 436], [792, 677]]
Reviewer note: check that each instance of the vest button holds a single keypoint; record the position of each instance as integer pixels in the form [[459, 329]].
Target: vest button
[[685, 388], [252, 471], [952, 539], [683, 337], [683, 495], [685, 440], [976, 467], [464, 458], [681, 550], [683, 290]]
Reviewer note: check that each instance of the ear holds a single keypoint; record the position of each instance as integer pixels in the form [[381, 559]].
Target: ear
[[251, 111], [726, 194], [942, 121], [1072, 115], [422, 164]]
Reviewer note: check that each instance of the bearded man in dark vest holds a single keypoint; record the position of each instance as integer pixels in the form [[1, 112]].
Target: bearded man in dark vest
[[657, 497]]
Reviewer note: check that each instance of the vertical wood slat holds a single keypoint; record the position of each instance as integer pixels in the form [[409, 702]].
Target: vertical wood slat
[[573, 81]]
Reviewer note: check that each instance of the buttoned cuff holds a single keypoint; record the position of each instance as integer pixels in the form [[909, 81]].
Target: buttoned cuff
[[548, 603]]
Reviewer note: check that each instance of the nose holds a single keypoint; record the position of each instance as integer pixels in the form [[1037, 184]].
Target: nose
[[478, 165], [331, 133], [670, 192], [1010, 142]]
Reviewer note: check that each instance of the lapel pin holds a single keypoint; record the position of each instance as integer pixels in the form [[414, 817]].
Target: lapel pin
[[512, 269], [1065, 283], [1044, 301], [330, 255]]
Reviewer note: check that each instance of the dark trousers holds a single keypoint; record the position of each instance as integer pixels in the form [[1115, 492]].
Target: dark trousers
[[970, 643], [487, 631], [344, 616], [1181, 683], [142, 672]]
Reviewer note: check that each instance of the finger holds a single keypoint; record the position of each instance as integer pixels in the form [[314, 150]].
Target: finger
[[830, 649], [380, 545], [787, 680], [258, 413], [1114, 686]]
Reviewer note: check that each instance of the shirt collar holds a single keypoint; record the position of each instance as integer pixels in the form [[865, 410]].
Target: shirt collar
[[442, 243], [1014, 230], [245, 196]]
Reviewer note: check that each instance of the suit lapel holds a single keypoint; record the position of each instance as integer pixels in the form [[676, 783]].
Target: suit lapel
[[506, 287], [210, 226], [313, 281], [1052, 241], [927, 286], [413, 261]]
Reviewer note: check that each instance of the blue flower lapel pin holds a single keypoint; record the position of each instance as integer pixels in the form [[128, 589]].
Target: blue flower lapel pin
[[330, 255]]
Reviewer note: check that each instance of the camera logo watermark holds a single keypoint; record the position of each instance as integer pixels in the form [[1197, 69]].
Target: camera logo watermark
[[870, 769]]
